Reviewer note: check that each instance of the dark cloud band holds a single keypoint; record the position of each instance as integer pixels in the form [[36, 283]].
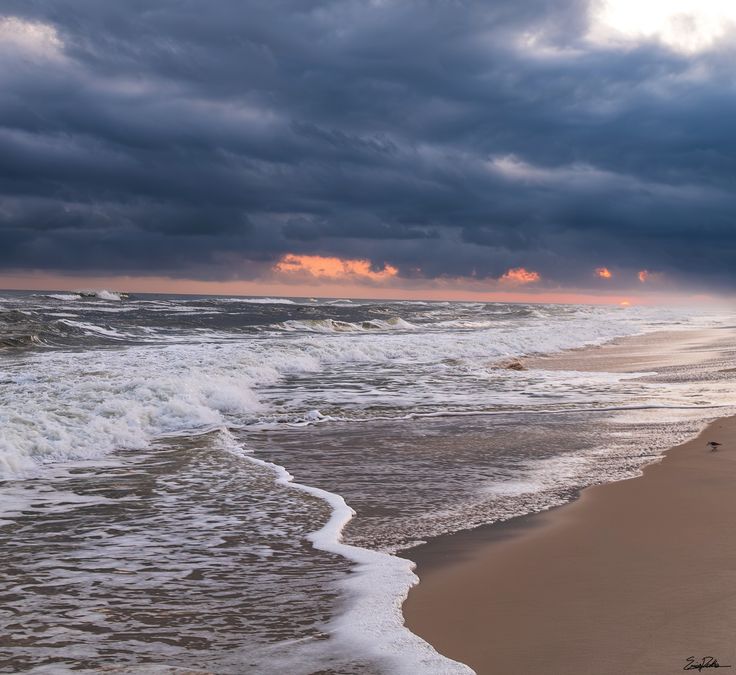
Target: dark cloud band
[[184, 138]]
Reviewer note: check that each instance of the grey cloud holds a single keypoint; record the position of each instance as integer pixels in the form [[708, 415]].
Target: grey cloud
[[184, 138]]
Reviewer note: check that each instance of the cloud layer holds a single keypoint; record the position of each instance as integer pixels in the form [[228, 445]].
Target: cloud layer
[[442, 138]]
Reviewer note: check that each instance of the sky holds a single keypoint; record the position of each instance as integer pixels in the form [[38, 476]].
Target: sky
[[513, 149]]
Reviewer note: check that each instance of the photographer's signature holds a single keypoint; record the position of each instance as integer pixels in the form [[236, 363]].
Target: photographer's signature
[[703, 663]]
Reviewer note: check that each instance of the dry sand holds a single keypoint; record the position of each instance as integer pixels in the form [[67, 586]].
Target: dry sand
[[633, 577]]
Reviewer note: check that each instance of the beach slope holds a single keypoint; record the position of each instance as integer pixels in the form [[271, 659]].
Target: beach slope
[[637, 576], [634, 577]]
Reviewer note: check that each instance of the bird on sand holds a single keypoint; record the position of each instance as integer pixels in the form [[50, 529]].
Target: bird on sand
[[713, 445]]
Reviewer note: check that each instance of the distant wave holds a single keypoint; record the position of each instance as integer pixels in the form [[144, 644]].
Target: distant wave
[[343, 302], [335, 326], [259, 301], [102, 294], [91, 329], [23, 341], [22, 331], [134, 394], [62, 296]]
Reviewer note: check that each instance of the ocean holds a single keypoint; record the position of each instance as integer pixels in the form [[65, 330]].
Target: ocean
[[223, 484]]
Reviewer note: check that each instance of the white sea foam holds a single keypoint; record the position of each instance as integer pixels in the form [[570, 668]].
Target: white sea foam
[[537, 475], [63, 296], [262, 301], [57, 405], [102, 294], [72, 408], [109, 295], [79, 295], [335, 326], [92, 329], [373, 623], [340, 303]]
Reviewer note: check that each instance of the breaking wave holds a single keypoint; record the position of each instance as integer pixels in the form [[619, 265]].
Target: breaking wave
[[22, 331], [112, 296], [336, 326]]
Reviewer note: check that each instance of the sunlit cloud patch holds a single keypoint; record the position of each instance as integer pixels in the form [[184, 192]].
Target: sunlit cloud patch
[[333, 268], [519, 275]]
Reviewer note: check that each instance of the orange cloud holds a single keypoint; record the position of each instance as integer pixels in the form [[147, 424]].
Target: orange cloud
[[333, 268], [644, 276], [519, 275], [603, 272]]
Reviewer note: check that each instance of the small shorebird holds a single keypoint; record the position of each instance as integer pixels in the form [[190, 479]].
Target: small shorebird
[[713, 445]]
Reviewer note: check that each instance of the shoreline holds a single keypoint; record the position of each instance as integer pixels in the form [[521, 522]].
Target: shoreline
[[633, 576]]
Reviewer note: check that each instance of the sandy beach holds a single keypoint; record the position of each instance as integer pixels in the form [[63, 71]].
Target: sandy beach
[[637, 576]]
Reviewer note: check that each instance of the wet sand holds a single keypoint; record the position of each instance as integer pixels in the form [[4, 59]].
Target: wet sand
[[633, 577], [660, 351]]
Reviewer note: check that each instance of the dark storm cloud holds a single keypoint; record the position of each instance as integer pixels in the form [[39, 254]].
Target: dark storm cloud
[[191, 138]]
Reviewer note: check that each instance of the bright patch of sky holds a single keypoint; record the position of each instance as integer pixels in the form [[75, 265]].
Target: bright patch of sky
[[687, 26], [29, 37]]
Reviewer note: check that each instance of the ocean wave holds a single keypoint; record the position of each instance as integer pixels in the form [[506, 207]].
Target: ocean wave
[[67, 297], [21, 331], [259, 301], [336, 326], [92, 329], [102, 294], [466, 324], [23, 341], [66, 409], [60, 407], [124, 399], [340, 302]]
